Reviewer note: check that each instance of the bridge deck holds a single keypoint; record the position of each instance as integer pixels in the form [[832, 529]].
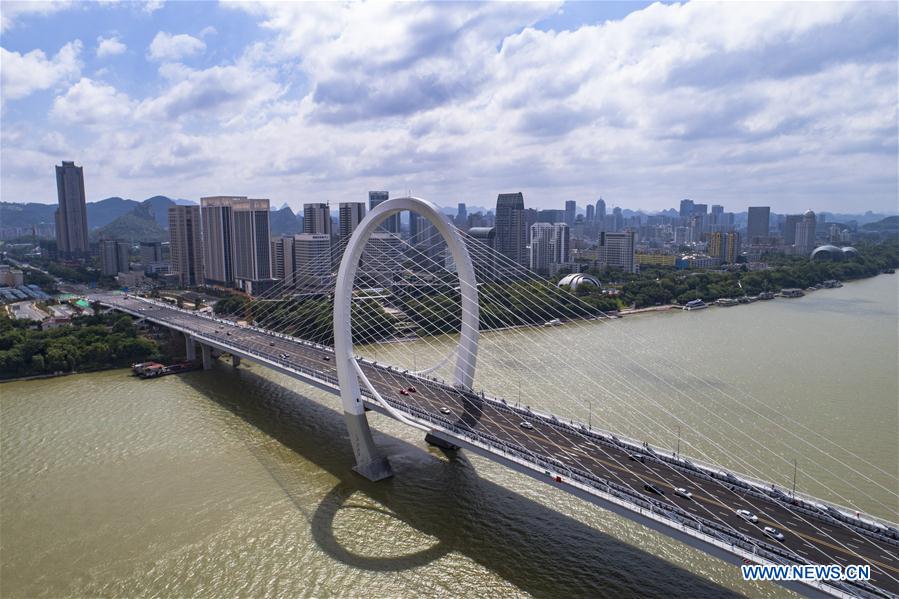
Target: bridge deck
[[596, 462]]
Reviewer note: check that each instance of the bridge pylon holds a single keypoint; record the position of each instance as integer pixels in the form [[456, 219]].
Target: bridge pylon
[[370, 462]]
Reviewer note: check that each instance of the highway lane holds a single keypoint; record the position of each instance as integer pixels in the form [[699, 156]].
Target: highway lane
[[813, 539]]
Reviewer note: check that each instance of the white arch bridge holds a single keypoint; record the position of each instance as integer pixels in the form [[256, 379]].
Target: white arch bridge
[[609, 470]]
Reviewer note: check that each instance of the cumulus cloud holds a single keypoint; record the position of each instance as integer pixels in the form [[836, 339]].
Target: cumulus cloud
[[13, 11], [23, 74], [90, 102], [151, 6], [168, 47], [109, 46]]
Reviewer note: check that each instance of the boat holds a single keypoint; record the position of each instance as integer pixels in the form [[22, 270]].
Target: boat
[[791, 292], [552, 323], [766, 295], [696, 304], [726, 301]]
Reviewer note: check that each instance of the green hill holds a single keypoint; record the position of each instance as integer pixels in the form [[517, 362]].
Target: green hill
[[140, 224]]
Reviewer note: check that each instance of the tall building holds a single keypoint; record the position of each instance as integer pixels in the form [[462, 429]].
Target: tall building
[[392, 224], [757, 227], [570, 212], [252, 242], [462, 216], [218, 258], [791, 221], [317, 219], [350, 214], [591, 214], [511, 231], [283, 259], [152, 257], [600, 210], [186, 245], [312, 259], [71, 215], [717, 214], [382, 258], [617, 220], [617, 250], [725, 246], [686, 209], [550, 247], [483, 252], [805, 233], [114, 257]]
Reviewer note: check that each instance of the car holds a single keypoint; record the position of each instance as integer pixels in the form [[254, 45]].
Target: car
[[326, 358], [774, 533], [653, 489], [747, 515], [636, 457], [526, 424], [403, 392], [682, 492], [412, 390], [272, 343], [445, 410]]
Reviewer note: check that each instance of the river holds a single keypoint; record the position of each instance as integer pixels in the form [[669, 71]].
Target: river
[[238, 482]]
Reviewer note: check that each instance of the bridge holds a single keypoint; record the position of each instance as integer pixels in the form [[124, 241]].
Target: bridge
[[617, 473]]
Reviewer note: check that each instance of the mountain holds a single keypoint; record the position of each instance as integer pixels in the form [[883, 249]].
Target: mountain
[[26, 215], [139, 224], [890, 223], [100, 214], [284, 222], [159, 207]]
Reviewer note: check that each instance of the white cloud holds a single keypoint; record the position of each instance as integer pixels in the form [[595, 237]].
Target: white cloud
[[152, 6], [13, 11], [23, 74], [90, 102], [168, 47], [109, 46]]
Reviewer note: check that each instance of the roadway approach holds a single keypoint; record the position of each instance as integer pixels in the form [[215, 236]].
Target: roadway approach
[[605, 469]]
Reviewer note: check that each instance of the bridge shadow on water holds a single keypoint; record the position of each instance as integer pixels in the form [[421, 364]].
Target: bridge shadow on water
[[537, 549]]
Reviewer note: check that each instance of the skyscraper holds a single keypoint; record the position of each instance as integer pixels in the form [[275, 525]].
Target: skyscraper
[[570, 212], [686, 208], [71, 215], [462, 216], [790, 223], [312, 259], [217, 240], [757, 227], [252, 242], [618, 250], [283, 259], [617, 220], [483, 252], [317, 219], [550, 247], [350, 214], [805, 233], [725, 246], [717, 212], [511, 231], [591, 214], [114, 257], [186, 245], [600, 209], [392, 224]]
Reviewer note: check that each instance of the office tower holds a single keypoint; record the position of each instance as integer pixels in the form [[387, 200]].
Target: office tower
[[591, 214], [392, 224], [702, 209], [316, 219], [71, 215], [511, 232], [757, 227], [382, 258], [717, 213], [350, 214], [252, 243], [150, 252], [483, 252], [218, 258], [415, 225], [727, 220], [570, 212], [618, 250], [600, 210], [617, 219], [114, 257], [462, 216], [725, 246], [805, 233], [550, 216], [186, 245], [686, 209], [790, 223], [550, 247], [283, 259], [312, 259]]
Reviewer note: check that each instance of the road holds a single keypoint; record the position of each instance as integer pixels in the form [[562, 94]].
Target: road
[[808, 536]]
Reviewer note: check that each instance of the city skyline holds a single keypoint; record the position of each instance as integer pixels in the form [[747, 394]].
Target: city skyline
[[159, 100]]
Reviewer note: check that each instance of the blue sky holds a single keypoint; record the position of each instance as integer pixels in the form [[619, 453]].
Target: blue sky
[[791, 105]]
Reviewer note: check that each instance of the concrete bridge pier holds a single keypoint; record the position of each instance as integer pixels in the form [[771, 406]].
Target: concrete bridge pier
[[235, 361], [207, 356], [190, 347]]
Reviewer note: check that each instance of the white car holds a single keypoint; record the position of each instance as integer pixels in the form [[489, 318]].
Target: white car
[[445, 410], [747, 515], [682, 492], [774, 533], [526, 424]]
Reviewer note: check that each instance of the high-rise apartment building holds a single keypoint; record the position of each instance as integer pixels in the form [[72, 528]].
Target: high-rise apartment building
[[114, 257], [392, 224], [482, 250], [805, 233], [317, 219], [186, 245], [725, 246], [350, 214], [71, 215], [511, 229], [757, 226], [791, 221], [237, 240], [218, 257], [617, 250], [283, 259], [550, 247]]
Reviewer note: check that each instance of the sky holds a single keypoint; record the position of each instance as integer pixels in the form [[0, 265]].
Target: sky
[[791, 105]]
